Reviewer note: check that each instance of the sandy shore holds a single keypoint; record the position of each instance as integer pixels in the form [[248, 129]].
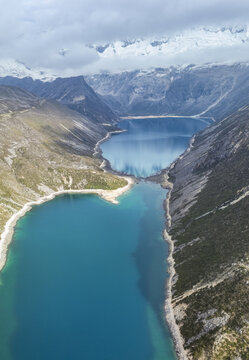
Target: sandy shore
[[169, 310], [203, 119], [130, 117], [133, 117], [6, 236]]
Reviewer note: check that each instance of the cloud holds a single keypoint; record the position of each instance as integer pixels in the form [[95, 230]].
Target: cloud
[[35, 32], [221, 55]]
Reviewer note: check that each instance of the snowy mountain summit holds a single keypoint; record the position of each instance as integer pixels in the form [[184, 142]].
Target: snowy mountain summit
[[11, 67], [201, 38]]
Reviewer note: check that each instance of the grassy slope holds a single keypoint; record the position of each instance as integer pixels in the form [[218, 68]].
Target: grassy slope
[[46, 147]]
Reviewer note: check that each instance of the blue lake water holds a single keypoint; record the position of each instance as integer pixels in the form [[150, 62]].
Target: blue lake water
[[150, 145], [85, 279]]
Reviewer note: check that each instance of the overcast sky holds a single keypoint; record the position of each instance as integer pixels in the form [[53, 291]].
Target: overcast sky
[[35, 32]]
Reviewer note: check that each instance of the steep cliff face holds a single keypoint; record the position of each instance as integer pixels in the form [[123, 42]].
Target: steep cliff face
[[210, 90], [73, 92], [45, 147], [209, 206]]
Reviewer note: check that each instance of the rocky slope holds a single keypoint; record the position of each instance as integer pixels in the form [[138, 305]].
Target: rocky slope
[[210, 90], [73, 92], [209, 206], [45, 147]]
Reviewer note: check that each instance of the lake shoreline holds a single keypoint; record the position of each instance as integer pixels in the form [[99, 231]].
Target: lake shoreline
[[168, 306], [111, 196], [169, 309], [139, 117], [7, 235], [97, 150], [108, 195]]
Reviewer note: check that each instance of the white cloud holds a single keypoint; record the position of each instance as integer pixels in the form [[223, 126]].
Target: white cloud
[[34, 32]]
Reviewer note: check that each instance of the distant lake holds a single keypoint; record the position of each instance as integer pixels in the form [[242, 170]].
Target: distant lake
[[85, 279], [149, 145]]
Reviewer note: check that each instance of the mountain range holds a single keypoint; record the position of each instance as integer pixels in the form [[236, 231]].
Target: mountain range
[[211, 90], [175, 44]]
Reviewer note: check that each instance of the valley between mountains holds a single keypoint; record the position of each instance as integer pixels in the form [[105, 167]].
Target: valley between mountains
[[49, 131]]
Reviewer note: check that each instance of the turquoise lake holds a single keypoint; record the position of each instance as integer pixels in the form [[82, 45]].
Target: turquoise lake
[[85, 279]]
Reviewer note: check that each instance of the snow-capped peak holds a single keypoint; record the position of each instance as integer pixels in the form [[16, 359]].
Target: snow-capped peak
[[10, 67], [201, 38]]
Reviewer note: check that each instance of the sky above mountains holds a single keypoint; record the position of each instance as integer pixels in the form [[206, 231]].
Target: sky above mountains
[[55, 35]]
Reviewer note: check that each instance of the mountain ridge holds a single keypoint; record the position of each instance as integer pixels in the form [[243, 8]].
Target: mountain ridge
[[212, 90], [202, 37], [73, 92], [208, 207]]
